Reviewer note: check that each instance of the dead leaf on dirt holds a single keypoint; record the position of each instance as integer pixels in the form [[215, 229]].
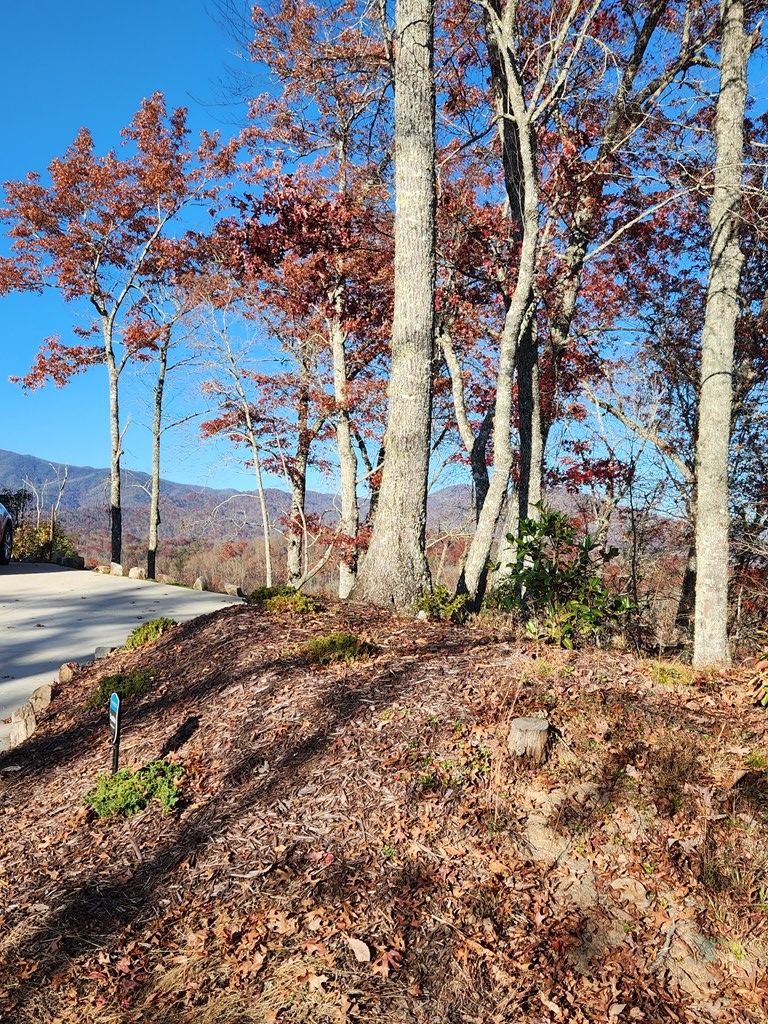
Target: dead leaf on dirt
[[550, 1005], [390, 960], [360, 949]]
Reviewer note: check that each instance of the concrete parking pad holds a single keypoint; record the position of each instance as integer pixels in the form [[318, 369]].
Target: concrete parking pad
[[49, 615]]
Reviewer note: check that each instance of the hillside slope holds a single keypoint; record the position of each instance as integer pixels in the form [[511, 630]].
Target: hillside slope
[[355, 843]]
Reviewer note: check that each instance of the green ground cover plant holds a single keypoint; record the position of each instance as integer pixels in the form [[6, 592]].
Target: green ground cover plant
[[127, 792], [129, 685], [283, 598], [335, 648], [149, 631]]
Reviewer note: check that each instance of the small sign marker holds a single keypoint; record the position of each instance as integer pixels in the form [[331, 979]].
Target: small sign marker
[[114, 729]]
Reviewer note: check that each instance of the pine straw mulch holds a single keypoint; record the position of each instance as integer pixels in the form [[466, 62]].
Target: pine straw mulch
[[356, 844]]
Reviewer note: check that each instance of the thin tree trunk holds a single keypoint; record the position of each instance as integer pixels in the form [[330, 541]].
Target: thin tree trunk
[[115, 505], [521, 182], [529, 488], [350, 509], [687, 601], [476, 445], [250, 432], [298, 527], [521, 504], [710, 634], [395, 570], [157, 426], [297, 474], [266, 533]]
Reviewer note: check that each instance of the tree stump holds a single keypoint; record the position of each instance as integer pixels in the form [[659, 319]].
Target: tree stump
[[529, 738]]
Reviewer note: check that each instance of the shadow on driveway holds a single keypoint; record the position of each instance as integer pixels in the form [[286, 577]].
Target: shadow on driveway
[[50, 615]]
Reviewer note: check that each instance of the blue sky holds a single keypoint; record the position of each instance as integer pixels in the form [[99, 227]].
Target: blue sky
[[63, 66]]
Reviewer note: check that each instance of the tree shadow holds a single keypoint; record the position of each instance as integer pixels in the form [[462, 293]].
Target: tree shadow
[[89, 912]]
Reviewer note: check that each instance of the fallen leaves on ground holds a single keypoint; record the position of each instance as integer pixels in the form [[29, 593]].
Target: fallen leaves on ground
[[356, 844]]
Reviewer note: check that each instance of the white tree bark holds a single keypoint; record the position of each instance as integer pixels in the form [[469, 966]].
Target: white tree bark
[[710, 638], [157, 432], [350, 510], [521, 179], [395, 569]]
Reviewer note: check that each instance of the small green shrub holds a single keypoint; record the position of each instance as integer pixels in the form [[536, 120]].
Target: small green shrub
[[555, 585], [439, 603], [261, 595], [283, 599], [148, 632], [298, 603], [127, 792], [128, 684], [335, 648]]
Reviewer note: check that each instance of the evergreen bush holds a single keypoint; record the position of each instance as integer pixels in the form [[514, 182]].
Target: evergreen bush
[[149, 631], [127, 792], [555, 585]]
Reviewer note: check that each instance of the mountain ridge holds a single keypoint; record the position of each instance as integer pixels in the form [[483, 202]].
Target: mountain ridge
[[185, 509]]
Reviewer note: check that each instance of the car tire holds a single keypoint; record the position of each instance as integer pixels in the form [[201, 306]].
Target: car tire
[[6, 546]]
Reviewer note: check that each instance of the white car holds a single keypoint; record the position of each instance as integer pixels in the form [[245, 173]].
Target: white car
[[6, 535]]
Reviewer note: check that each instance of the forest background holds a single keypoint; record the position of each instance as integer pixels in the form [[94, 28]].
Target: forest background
[[511, 218]]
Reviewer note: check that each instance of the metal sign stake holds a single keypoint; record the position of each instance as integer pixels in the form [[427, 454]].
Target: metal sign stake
[[114, 729]]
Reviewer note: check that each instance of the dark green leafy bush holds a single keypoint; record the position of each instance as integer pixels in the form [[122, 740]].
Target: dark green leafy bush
[[283, 598], [439, 603], [262, 594], [337, 647], [298, 603], [149, 631], [127, 792], [556, 585], [129, 685]]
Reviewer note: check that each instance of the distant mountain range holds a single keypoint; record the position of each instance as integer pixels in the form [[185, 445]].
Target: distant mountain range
[[186, 510]]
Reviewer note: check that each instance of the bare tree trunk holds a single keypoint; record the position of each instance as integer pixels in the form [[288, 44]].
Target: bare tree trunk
[[373, 474], [350, 509], [266, 533], [529, 488], [710, 634], [297, 531], [476, 445], [522, 503], [395, 570], [687, 601], [297, 475], [115, 504], [518, 139], [250, 435], [157, 428]]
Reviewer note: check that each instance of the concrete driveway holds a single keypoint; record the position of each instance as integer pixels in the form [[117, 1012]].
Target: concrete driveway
[[49, 615]]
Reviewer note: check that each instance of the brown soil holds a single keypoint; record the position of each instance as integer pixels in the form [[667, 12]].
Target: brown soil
[[355, 843]]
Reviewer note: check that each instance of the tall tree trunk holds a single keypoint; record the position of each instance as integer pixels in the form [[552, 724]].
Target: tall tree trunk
[[297, 531], [297, 475], [475, 444], [253, 441], [518, 138], [115, 505], [529, 488], [687, 600], [395, 570], [710, 633], [522, 503], [264, 511], [350, 509], [157, 429]]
